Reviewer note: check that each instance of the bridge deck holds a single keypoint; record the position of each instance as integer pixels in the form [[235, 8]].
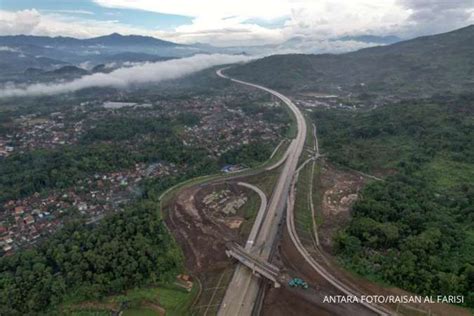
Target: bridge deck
[[261, 267]]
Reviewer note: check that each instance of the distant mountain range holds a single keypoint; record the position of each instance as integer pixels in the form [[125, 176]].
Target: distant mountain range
[[413, 68], [309, 44], [21, 52], [59, 42]]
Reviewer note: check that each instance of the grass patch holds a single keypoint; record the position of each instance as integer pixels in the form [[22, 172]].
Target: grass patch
[[318, 191], [446, 174], [303, 215], [175, 300], [89, 313], [140, 312], [292, 130], [265, 181], [249, 212]]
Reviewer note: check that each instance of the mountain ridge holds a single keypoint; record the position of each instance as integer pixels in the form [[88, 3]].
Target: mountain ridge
[[417, 67], [21, 52], [111, 39]]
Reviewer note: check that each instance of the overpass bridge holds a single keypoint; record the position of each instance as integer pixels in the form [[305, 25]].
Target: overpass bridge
[[257, 265]]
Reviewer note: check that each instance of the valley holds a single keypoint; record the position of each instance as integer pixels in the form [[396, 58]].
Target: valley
[[306, 171]]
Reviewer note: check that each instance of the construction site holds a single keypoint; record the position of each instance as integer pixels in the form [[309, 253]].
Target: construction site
[[254, 249]]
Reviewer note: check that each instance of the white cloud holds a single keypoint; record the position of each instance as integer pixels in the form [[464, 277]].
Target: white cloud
[[223, 32], [238, 22], [123, 77], [315, 19], [322, 46], [20, 22], [435, 16], [9, 49], [223, 22], [33, 22]]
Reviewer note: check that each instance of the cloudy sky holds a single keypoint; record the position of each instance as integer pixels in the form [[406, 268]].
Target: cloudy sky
[[232, 22]]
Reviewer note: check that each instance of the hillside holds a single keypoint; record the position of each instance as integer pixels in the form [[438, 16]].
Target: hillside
[[415, 229], [20, 52], [420, 67], [113, 39]]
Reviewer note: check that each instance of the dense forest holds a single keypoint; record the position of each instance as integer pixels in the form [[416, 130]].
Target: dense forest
[[415, 229], [405, 234], [80, 262]]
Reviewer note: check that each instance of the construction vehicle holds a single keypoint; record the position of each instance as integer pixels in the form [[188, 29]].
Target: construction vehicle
[[297, 282]]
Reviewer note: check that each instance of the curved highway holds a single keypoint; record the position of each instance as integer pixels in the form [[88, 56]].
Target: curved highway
[[260, 214], [347, 289], [242, 292]]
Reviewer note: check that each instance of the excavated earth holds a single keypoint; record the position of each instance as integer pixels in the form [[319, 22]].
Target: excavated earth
[[203, 236], [339, 189], [200, 235], [297, 301]]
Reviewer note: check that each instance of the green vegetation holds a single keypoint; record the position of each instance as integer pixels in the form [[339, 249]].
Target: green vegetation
[[39, 170], [139, 312], [422, 66], [249, 154], [108, 146], [415, 229], [303, 215], [270, 113], [249, 212], [89, 312], [187, 118], [113, 129], [139, 301], [378, 141], [173, 299], [81, 262], [265, 181], [125, 250]]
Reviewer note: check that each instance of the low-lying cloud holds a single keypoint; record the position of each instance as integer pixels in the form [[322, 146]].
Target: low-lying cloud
[[123, 77], [8, 49]]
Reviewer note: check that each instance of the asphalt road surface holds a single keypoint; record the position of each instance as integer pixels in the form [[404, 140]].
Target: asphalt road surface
[[242, 292]]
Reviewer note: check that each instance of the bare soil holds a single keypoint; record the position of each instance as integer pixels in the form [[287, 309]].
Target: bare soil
[[297, 301], [339, 190], [201, 236]]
